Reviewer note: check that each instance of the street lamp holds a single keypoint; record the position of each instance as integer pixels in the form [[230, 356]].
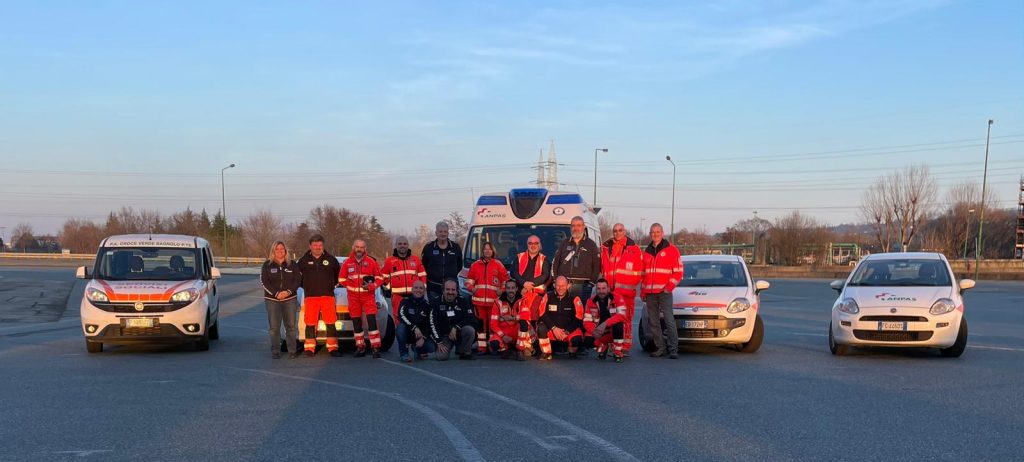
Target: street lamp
[[595, 172], [672, 236], [224, 210], [981, 214]]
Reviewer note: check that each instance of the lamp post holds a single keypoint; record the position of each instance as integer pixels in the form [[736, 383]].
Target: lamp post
[[672, 236], [224, 210], [595, 172], [981, 213], [967, 232]]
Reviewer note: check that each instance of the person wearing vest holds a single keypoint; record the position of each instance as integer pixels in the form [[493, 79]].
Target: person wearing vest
[[662, 271], [604, 321], [442, 260], [414, 324], [578, 259], [319, 278], [532, 270], [361, 277], [562, 320], [484, 281], [280, 279], [622, 266], [400, 270], [505, 321], [452, 323]]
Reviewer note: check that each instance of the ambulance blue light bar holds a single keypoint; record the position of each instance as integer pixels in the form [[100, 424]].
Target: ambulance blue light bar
[[492, 200], [564, 199], [528, 193]]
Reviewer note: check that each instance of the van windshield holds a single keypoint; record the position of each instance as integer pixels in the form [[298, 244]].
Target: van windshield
[[146, 264], [509, 240], [900, 273], [713, 274]]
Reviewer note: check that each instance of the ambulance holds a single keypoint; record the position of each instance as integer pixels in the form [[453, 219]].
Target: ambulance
[[507, 219], [150, 288]]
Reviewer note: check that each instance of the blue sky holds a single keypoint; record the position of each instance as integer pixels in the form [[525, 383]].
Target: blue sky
[[126, 103]]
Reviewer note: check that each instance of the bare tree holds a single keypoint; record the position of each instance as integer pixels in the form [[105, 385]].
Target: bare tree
[[259, 230], [338, 226], [897, 205], [22, 237], [797, 238], [875, 209], [458, 228], [80, 236]]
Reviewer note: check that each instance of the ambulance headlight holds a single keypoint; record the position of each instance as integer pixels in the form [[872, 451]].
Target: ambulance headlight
[[739, 305], [848, 305], [942, 306], [186, 295], [95, 295]]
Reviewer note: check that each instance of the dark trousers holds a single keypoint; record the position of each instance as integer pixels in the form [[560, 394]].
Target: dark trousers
[[405, 337], [283, 312]]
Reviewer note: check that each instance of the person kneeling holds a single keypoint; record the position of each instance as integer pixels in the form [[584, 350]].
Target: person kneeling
[[505, 322], [414, 323], [561, 321], [452, 323], [604, 322]]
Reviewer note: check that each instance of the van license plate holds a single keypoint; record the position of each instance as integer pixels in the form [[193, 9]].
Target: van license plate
[[138, 322], [892, 325], [695, 324]]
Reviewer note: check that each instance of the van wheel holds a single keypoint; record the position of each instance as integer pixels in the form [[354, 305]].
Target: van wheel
[[835, 348], [388, 339], [215, 330], [961, 342], [756, 339], [93, 347]]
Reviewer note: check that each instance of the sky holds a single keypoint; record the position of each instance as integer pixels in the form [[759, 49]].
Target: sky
[[408, 109]]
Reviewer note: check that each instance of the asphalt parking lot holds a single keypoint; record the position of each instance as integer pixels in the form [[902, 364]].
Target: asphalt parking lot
[[792, 400]]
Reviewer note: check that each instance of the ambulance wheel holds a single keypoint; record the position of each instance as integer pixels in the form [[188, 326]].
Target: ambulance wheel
[[835, 348], [388, 339], [961, 342], [645, 341], [756, 339], [215, 330], [93, 347]]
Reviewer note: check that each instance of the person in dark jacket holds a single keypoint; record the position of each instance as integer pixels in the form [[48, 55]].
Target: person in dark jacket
[[578, 259], [452, 322], [442, 259], [319, 278], [562, 320], [414, 324], [280, 279]]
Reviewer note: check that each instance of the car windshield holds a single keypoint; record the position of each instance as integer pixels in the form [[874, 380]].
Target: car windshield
[[901, 273], [713, 274], [509, 240], [146, 264]]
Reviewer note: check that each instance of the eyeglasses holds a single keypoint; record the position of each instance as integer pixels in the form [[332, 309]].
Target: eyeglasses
[[533, 243], [618, 230]]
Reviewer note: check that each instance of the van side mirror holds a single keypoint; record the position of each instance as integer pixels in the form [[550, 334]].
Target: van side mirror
[[761, 286], [966, 284], [82, 272], [214, 273], [838, 285]]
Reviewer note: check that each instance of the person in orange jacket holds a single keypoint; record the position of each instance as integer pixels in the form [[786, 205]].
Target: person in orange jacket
[[361, 276], [400, 270], [484, 281], [604, 319], [662, 272], [622, 265], [505, 321]]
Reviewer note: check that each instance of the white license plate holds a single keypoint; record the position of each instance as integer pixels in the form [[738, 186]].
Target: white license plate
[[695, 324], [138, 322], [892, 325]]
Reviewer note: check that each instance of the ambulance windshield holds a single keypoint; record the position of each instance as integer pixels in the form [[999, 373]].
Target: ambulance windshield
[[509, 240]]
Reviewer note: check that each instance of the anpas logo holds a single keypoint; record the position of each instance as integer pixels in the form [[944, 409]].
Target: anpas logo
[[485, 212], [697, 292], [887, 297]]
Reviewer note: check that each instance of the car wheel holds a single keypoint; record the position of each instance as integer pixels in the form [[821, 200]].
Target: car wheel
[[756, 339], [388, 339], [215, 330], [961, 342], [645, 341], [93, 347], [835, 348]]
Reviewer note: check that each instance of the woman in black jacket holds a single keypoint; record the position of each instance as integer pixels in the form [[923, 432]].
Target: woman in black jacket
[[280, 278]]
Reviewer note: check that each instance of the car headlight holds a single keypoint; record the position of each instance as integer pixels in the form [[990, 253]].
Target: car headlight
[[96, 295], [942, 306], [186, 295], [848, 305], [739, 305]]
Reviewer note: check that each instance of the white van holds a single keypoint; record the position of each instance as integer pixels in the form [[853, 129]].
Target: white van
[[150, 288]]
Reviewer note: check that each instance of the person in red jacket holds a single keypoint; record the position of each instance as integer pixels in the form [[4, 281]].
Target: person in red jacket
[[361, 276], [622, 265], [400, 270], [532, 270], [662, 271], [484, 281], [505, 321], [531, 307], [603, 321]]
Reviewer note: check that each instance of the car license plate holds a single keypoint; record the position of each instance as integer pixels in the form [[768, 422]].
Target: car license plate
[[892, 325], [138, 322], [695, 324]]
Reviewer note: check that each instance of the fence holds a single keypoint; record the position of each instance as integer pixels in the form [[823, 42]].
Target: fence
[[86, 257]]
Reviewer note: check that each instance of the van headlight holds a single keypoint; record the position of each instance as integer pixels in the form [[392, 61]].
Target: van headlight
[[848, 305], [942, 306], [95, 295], [739, 305], [186, 295]]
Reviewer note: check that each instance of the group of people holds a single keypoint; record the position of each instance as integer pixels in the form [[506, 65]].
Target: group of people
[[581, 298]]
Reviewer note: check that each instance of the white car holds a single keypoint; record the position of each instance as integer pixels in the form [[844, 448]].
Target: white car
[[715, 303], [385, 322], [906, 299], [150, 288]]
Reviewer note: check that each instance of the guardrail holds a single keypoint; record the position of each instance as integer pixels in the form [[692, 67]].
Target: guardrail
[[91, 257]]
